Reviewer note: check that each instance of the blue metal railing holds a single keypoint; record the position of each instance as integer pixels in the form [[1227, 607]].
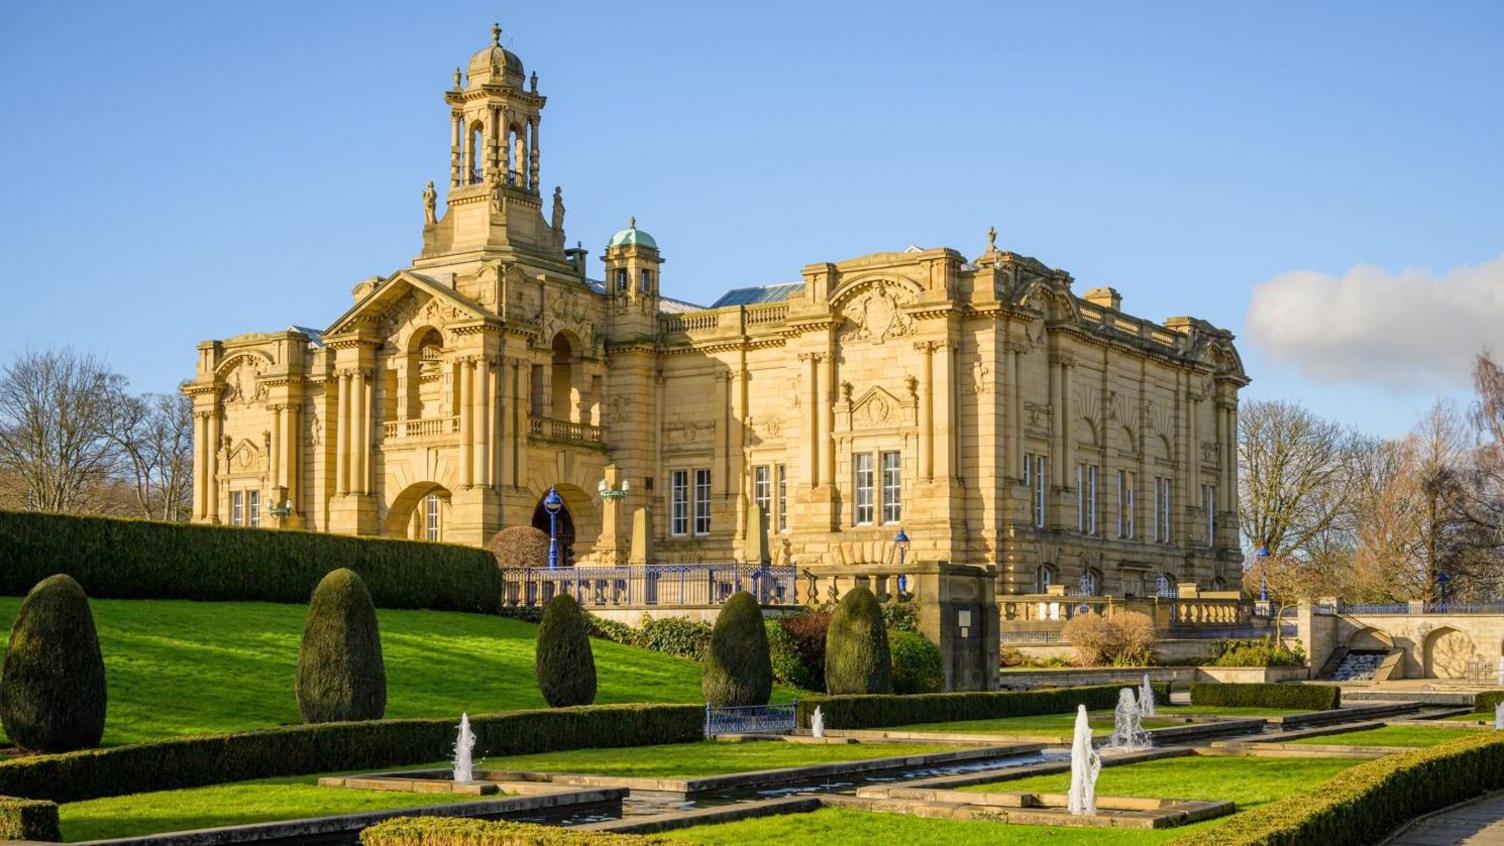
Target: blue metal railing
[[652, 585], [1464, 607], [1030, 636], [751, 719], [1377, 608]]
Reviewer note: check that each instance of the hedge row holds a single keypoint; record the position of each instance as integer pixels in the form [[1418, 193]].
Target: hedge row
[[28, 819], [1363, 804], [878, 710], [1488, 700], [326, 747], [441, 831], [1311, 697], [147, 559]]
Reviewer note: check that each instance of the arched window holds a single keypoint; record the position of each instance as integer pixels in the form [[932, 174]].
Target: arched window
[[475, 156], [1090, 583], [563, 391], [1043, 578]]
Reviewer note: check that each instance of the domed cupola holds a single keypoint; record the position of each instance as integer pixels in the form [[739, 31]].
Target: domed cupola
[[496, 64], [632, 237], [632, 264]]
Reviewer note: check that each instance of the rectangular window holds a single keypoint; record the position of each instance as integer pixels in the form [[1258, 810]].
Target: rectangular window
[[702, 502], [678, 499], [1209, 505], [783, 499], [431, 517], [1086, 498], [253, 509], [646, 280], [1034, 480], [621, 279], [237, 508], [762, 490], [862, 462], [892, 487], [1126, 482], [1161, 509]]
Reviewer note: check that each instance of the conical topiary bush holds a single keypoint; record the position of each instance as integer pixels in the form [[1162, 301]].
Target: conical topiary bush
[[52, 691], [565, 666], [341, 675], [738, 669], [856, 646]]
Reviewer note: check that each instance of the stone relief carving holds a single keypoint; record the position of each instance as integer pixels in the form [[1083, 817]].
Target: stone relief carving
[[877, 315], [315, 428], [981, 377], [243, 384], [617, 408], [1040, 415], [877, 408], [1209, 452], [796, 390], [569, 313], [244, 457], [679, 432]]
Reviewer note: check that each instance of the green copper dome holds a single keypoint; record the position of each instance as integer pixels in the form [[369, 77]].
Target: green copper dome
[[632, 237]]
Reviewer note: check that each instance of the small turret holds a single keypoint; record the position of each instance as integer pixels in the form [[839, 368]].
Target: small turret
[[632, 264]]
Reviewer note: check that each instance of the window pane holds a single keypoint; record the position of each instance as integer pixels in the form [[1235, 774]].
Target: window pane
[[892, 487], [863, 464], [702, 502], [679, 502], [783, 499]]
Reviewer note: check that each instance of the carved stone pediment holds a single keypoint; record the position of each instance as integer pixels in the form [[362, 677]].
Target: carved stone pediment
[[246, 457], [876, 314], [876, 409]]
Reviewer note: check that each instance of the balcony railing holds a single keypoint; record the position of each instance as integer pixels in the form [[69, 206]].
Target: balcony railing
[[649, 586], [564, 430], [420, 427]]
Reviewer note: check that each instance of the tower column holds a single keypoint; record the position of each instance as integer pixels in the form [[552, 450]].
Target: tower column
[[454, 151], [533, 155], [945, 425]]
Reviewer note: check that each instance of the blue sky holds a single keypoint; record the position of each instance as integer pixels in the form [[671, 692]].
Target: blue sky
[[178, 171]]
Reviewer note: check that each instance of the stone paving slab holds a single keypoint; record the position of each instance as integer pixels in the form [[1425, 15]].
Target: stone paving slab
[[1476, 823], [707, 816]]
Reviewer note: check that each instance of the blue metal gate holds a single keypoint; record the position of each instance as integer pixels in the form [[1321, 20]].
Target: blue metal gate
[[751, 719]]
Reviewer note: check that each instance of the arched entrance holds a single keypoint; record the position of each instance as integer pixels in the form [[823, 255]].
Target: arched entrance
[[421, 512], [565, 526], [1446, 653]]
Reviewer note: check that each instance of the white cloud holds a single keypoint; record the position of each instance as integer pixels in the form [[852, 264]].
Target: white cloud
[[1407, 331]]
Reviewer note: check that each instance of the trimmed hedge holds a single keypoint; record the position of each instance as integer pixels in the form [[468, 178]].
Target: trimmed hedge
[[918, 666], [857, 660], [333, 747], [441, 831], [1488, 700], [341, 674], [53, 694], [878, 710], [1363, 804], [147, 559], [1312, 697], [564, 662], [28, 819], [737, 670]]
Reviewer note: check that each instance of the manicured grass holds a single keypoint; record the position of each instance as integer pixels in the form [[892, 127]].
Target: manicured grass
[[681, 760], [1389, 736], [181, 668], [1249, 782], [230, 804], [1475, 717], [1226, 711], [841, 826]]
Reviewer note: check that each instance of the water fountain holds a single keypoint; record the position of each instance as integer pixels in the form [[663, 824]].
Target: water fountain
[[1127, 724], [1499, 717], [1086, 765], [1146, 698], [464, 767], [817, 723]]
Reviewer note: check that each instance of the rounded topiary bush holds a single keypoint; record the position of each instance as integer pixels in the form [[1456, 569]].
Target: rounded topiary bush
[[917, 665], [519, 546], [565, 666], [341, 675], [52, 691], [856, 646], [737, 669]]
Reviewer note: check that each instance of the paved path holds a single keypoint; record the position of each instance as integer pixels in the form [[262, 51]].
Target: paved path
[[1478, 823]]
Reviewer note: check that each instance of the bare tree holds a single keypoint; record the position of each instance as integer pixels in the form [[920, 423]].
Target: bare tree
[[1293, 469], [55, 409], [154, 433]]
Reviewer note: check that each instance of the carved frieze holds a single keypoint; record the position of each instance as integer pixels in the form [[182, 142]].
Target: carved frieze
[[876, 409], [682, 433], [877, 315]]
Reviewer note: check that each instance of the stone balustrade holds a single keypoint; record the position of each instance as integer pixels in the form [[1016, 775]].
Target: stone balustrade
[[420, 427], [565, 430]]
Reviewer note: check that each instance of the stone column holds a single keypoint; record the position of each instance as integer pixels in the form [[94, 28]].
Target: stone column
[[467, 437], [274, 461], [454, 151], [1012, 413], [926, 410], [211, 480], [497, 414], [481, 390], [292, 445], [945, 426], [200, 442], [827, 419], [532, 178], [361, 441], [342, 437], [1067, 435], [493, 163], [736, 480], [812, 419]]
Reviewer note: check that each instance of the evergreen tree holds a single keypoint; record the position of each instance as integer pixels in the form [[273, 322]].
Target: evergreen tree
[[856, 646], [341, 675], [52, 691], [565, 665], [738, 669]]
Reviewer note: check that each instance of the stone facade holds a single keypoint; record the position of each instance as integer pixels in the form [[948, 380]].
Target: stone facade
[[1003, 420]]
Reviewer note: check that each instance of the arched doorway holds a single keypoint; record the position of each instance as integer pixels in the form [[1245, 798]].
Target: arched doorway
[[565, 526], [420, 512]]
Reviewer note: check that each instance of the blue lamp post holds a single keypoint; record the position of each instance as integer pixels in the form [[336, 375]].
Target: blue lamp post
[[902, 542], [553, 505], [1260, 558], [1443, 581]]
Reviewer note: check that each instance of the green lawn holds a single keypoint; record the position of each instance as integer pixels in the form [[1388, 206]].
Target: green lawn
[[683, 760], [1389, 736], [182, 668], [1475, 717], [229, 804]]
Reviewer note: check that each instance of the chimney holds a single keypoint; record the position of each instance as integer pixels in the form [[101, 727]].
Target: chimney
[[1105, 297]]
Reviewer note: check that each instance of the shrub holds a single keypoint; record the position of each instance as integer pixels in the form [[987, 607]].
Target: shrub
[[565, 666], [1314, 697], [900, 617], [674, 635], [917, 665], [341, 675], [28, 819], [441, 831], [519, 546], [737, 670], [783, 655], [856, 646], [329, 747], [808, 630], [876, 711], [1257, 653], [1488, 700], [52, 691], [145, 559], [1364, 803], [1124, 639]]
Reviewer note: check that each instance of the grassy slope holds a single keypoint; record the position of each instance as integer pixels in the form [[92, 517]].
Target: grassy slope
[[229, 804], [1247, 781], [182, 668], [1388, 736], [697, 759]]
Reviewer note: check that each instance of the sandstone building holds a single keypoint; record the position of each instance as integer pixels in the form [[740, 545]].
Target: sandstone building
[[1000, 417]]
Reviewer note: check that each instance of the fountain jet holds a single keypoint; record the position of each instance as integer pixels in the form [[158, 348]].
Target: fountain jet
[[464, 744], [1086, 765], [817, 723], [1146, 698], [1128, 732]]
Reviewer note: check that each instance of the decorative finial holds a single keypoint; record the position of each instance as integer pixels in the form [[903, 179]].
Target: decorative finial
[[632, 222], [457, 85], [534, 82], [495, 35], [992, 239]]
